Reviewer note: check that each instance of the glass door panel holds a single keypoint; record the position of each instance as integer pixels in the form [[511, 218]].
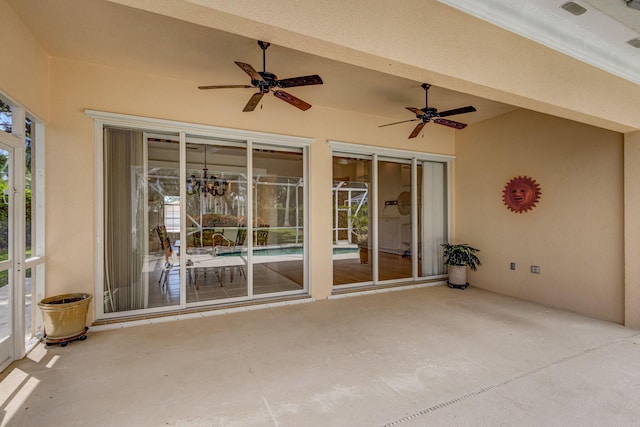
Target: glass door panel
[[162, 222], [394, 220], [434, 230], [6, 255], [352, 261], [215, 222], [141, 176], [278, 220]]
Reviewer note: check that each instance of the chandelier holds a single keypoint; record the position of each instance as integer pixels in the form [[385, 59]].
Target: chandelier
[[207, 185]]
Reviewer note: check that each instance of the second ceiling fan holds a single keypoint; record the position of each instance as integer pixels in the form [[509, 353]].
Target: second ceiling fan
[[265, 82], [427, 114]]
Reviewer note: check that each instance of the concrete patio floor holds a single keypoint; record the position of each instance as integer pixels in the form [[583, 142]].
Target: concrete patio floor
[[430, 356]]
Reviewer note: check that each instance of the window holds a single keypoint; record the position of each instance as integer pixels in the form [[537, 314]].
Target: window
[[5, 117], [172, 214]]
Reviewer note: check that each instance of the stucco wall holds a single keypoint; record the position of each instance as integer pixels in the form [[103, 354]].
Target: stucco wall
[[78, 86], [23, 64], [632, 229], [575, 234]]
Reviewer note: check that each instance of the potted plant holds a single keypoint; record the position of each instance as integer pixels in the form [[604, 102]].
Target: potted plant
[[458, 257], [360, 231]]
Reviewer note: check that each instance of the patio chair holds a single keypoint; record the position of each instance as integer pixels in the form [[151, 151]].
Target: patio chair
[[262, 235], [169, 255]]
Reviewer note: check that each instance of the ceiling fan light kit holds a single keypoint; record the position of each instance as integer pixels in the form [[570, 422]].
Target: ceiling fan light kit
[[267, 82]]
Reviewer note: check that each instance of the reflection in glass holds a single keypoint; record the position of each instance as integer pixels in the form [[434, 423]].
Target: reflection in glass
[[28, 304], [435, 229], [140, 254], [351, 237], [394, 220], [4, 204], [216, 206], [5, 221], [29, 206], [5, 117], [162, 195], [278, 220]]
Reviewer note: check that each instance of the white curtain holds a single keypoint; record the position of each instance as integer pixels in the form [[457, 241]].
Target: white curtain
[[434, 229], [125, 282]]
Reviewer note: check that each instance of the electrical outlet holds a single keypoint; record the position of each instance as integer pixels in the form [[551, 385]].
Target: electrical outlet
[[512, 266], [535, 269]]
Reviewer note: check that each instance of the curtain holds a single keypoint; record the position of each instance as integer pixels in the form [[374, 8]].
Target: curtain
[[125, 233], [435, 217]]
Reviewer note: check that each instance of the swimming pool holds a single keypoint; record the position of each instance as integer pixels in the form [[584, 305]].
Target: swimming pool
[[283, 250]]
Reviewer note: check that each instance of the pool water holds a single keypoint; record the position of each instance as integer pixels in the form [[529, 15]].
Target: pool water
[[287, 250]]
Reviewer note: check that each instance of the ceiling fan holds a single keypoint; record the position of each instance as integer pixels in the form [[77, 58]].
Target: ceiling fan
[[427, 114], [265, 82]]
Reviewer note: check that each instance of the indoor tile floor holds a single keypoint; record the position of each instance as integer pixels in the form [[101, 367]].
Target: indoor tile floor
[[423, 357]]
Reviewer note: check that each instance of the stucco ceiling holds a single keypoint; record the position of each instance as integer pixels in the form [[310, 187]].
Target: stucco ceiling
[[599, 36], [103, 32]]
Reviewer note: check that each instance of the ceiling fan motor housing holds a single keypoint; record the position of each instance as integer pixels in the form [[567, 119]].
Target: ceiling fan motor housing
[[429, 113]]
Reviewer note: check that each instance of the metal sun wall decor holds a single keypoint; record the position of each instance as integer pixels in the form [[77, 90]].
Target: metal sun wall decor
[[521, 194]]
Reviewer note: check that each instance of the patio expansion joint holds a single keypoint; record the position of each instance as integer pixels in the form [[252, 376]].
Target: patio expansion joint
[[508, 381]]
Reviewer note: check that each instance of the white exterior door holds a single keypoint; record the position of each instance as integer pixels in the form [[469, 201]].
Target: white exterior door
[[7, 253]]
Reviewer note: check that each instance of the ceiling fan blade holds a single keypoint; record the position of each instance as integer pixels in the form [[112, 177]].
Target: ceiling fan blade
[[296, 102], [462, 110], [300, 81], [253, 102], [224, 87], [396, 123], [450, 123], [249, 70], [416, 111], [417, 130]]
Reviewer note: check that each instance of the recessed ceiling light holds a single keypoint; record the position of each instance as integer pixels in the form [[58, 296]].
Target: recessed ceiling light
[[633, 3], [635, 42], [573, 8]]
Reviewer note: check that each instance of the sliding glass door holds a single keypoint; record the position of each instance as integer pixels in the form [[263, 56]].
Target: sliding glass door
[[394, 206], [215, 221], [394, 220], [278, 219], [192, 220], [140, 255], [352, 241]]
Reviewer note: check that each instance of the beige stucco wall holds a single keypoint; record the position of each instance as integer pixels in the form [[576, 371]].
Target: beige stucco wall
[[78, 86], [575, 234], [578, 166], [24, 64], [632, 228]]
